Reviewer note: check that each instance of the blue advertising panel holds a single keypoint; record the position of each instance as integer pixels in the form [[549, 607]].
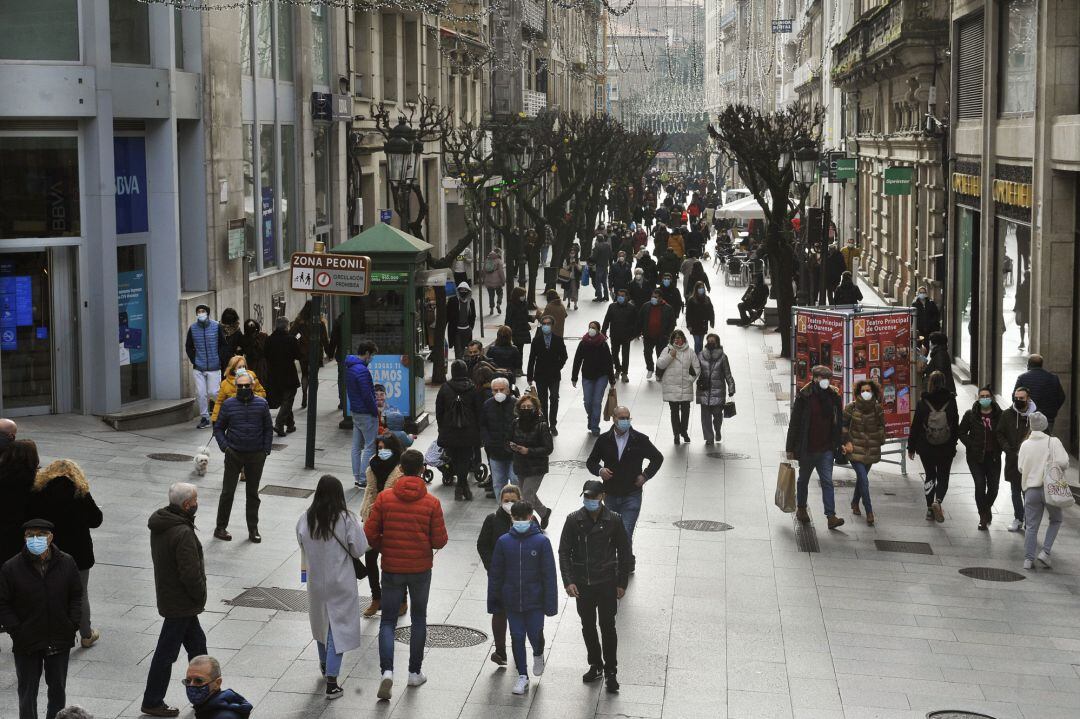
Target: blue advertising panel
[[131, 298], [268, 225], [388, 371], [16, 305], [129, 161]]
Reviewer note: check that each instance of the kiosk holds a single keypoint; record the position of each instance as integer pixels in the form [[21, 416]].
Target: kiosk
[[391, 315]]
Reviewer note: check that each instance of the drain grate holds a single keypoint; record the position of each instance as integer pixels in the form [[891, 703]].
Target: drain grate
[[886, 545], [278, 490], [956, 714], [277, 598], [702, 525], [805, 536], [277, 446], [775, 387], [992, 574], [170, 457], [445, 636], [780, 419], [729, 456]]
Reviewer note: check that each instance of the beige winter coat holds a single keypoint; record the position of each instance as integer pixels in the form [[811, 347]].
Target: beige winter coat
[[677, 384], [372, 490]]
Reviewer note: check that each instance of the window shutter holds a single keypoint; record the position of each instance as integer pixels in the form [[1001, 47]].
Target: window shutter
[[969, 80]]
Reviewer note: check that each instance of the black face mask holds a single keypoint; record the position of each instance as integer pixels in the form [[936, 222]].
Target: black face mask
[[245, 393], [1020, 404]]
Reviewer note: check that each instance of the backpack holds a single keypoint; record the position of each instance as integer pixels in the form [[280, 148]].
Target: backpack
[[489, 265], [457, 417], [937, 426]]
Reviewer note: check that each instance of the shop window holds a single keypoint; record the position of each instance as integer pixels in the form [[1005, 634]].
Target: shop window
[[320, 46], [1013, 291], [389, 38], [288, 192], [134, 340], [264, 51], [284, 49], [40, 30], [39, 187], [969, 68], [268, 171], [362, 53], [967, 286], [1019, 28], [129, 32], [178, 38], [411, 57]]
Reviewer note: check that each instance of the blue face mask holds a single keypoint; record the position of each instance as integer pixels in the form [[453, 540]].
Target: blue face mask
[[621, 300], [986, 401], [37, 545], [198, 695], [522, 525], [385, 454], [622, 424], [591, 505], [546, 329], [655, 300], [701, 290], [667, 283]]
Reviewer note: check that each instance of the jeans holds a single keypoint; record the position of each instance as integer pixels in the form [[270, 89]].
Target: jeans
[[823, 463], [593, 391], [529, 623], [175, 632], [547, 391], [493, 293], [986, 476], [285, 416], [629, 508], [680, 417], [252, 465], [84, 622], [620, 354], [599, 281], [329, 656], [652, 348], [365, 430], [936, 483], [1019, 511], [699, 342], [394, 588], [502, 473], [28, 670], [1034, 502], [594, 602], [206, 389], [712, 421], [529, 487], [862, 486]]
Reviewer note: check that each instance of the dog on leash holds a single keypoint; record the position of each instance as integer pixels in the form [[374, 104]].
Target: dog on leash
[[202, 461]]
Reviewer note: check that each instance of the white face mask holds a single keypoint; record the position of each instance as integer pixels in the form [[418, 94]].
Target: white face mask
[[824, 383], [202, 316], [867, 396], [593, 332], [500, 396], [506, 506]]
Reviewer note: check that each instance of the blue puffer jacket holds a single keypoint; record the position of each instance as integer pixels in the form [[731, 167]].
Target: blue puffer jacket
[[360, 388], [204, 345], [226, 704], [244, 426], [522, 576]]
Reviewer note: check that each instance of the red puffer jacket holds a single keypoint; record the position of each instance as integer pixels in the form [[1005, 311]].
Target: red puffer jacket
[[405, 525]]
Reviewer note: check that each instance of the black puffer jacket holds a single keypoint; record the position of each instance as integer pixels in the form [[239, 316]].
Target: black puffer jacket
[[496, 525], [622, 321], [980, 442], [470, 398], [496, 421], [40, 611], [517, 319], [538, 439], [592, 360], [179, 574], [62, 496], [505, 357], [941, 360], [592, 553], [619, 276], [700, 315], [941, 399]]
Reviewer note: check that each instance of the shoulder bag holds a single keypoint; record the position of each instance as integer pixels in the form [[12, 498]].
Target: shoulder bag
[[359, 568]]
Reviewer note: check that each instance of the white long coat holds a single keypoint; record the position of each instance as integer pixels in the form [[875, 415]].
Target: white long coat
[[677, 384], [333, 599]]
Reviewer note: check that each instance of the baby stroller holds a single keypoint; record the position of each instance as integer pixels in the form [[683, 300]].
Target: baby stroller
[[436, 457]]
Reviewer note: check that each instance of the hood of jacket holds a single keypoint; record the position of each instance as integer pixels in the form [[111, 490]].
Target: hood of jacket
[[410, 489], [62, 468], [680, 350], [461, 385], [168, 518], [224, 700]]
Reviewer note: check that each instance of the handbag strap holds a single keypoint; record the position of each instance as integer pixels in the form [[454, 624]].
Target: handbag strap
[[338, 540]]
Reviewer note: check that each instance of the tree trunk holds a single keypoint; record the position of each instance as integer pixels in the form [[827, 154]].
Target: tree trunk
[[782, 267]]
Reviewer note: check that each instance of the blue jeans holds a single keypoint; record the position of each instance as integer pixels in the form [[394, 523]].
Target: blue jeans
[[862, 486], [823, 463], [530, 623], [175, 632], [393, 594], [599, 281], [629, 508], [593, 392], [699, 342], [328, 654], [502, 473], [365, 430]]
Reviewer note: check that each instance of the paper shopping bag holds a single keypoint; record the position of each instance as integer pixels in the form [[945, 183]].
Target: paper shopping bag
[[610, 404], [785, 488]]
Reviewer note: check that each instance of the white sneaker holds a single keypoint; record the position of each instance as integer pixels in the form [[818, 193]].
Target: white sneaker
[[538, 660], [1028, 564], [386, 685], [416, 679], [1044, 558], [1016, 526], [521, 686], [649, 375]]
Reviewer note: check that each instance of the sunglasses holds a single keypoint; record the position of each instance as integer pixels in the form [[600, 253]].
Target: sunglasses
[[197, 682]]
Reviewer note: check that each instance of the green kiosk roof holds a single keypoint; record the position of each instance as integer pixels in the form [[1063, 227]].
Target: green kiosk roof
[[384, 239]]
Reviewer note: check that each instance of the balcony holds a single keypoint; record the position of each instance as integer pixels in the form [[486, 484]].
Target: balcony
[[888, 40], [533, 17], [533, 102]]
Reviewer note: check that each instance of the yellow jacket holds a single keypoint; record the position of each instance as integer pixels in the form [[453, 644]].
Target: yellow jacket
[[227, 389]]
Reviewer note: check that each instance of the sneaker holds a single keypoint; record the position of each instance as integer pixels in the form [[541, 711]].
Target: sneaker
[[1043, 557], [1016, 526], [521, 686], [594, 673], [1028, 564], [499, 658], [162, 711], [939, 516], [333, 690], [386, 686], [929, 515], [649, 374], [203, 424], [89, 641], [416, 679], [538, 659], [611, 684]]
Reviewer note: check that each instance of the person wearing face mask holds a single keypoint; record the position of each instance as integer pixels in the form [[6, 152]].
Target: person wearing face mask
[[204, 346], [244, 432], [714, 386], [595, 562], [601, 260], [640, 290], [494, 279], [237, 366], [531, 444], [522, 584], [40, 607], [1011, 432], [592, 361], [700, 314], [621, 274], [496, 525], [502, 353], [1039, 453], [681, 368], [547, 356], [180, 586], [496, 418], [927, 314], [812, 437], [650, 270], [621, 320], [863, 435], [978, 433], [204, 690], [382, 473], [935, 430], [460, 319], [657, 321], [570, 277], [555, 310], [669, 292]]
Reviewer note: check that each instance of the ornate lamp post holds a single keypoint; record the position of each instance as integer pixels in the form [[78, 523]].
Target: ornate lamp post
[[401, 160]]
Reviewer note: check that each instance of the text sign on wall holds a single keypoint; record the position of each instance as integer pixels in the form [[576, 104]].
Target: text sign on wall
[[898, 180], [129, 162], [331, 274]]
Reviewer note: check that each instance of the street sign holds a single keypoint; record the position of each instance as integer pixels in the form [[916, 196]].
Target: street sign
[[237, 240], [386, 216], [898, 180], [331, 274], [781, 26], [841, 167]]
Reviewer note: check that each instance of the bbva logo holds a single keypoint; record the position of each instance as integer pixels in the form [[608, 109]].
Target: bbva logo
[[127, 185]]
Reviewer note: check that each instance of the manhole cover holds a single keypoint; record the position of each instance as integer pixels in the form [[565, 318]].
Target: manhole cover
[[277, 598], [729, 456], [571, 463], [885, 545], [277, 447], [445, 636], [805, 536], [991, 574], [702, 525], [170, 457], [956, 714], [280, 491]]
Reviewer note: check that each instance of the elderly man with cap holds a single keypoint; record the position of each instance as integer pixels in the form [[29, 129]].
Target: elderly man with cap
[[595, 563], [40, 607]]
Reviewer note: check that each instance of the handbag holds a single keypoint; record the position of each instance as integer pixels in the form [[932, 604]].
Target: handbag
[[729, 410], [1056, 490], [359, 568], [785, 488]]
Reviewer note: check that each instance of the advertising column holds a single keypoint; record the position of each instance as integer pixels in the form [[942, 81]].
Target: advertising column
[[881, 352]]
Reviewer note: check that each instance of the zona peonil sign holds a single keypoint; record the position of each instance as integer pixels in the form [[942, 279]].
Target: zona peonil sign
[[898, 180]]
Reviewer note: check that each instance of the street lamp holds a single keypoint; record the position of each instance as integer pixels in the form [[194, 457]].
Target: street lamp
[[785, 160], [806, 158], [401, 160]]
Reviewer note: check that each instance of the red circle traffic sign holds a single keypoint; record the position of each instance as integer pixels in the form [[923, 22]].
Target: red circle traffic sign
[[323, 279]]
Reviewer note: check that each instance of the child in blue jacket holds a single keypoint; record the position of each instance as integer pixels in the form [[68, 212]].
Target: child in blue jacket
[[522, 584]]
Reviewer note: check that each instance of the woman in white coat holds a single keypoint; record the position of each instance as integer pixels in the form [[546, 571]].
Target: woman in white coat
[[330, 537], [681, 369], [1036, 453]]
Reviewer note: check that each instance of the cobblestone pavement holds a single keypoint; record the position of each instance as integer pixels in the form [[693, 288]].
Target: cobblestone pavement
[[739, 623]]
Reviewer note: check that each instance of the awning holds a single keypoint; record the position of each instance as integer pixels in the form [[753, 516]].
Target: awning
[[746, 208]]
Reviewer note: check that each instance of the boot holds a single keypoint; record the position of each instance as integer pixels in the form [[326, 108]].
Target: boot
[[373, 608], [802, 515], [835, 522], [459, 494], [466, 492], [855, 508], [870, 519]]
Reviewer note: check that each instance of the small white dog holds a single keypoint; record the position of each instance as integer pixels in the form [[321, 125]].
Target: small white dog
[[202, 461]]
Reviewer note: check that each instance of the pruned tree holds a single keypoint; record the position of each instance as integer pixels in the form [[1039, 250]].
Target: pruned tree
[[757, 140]]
